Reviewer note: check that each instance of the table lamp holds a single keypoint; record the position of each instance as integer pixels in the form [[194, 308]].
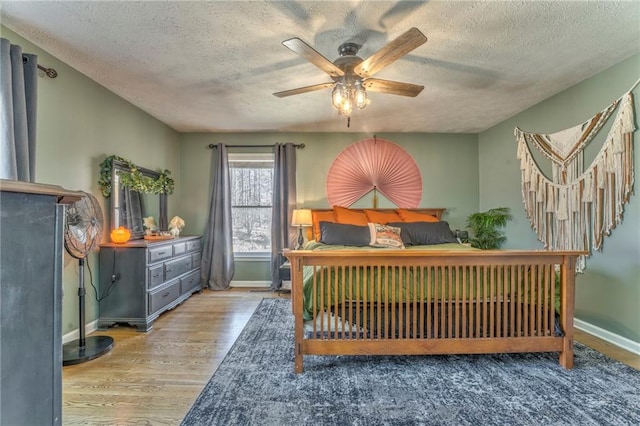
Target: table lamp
[[301, 218]]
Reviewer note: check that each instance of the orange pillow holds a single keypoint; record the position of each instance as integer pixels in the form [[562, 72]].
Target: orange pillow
[[350, 217], [317, 217], [382, 218], [409, 216]]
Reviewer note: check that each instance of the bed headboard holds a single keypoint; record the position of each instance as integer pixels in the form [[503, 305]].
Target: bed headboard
[[433, 211]]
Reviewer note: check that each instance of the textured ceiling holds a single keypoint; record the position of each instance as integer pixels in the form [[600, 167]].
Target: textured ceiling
[[213, 66]]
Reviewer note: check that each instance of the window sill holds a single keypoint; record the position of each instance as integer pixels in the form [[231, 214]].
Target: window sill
[[252, 257]]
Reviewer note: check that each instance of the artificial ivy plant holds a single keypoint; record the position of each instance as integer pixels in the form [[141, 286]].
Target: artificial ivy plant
[[486, 228], [134, 179]]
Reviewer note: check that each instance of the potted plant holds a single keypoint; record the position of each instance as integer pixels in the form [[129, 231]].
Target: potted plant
[[486, 228]]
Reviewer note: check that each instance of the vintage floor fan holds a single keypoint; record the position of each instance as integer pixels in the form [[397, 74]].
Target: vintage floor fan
[[82, 233]]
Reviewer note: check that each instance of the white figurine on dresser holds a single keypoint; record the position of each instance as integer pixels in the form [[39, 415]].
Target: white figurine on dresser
[[150, 225], [175, 226]]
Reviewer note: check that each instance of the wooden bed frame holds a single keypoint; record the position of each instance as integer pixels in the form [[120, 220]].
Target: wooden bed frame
[[492, 301]]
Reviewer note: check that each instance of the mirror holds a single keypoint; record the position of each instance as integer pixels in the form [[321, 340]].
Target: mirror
[[128, 208]]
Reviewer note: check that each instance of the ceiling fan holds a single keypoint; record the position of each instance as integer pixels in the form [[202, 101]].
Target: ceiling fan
[[352, 76]]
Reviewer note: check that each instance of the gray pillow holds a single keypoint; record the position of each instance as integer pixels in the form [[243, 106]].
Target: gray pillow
[[344, 235], [425, 233]]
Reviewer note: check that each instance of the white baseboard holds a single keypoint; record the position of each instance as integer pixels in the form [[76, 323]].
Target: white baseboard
[[75, 334], [250, 284], [615, 339]]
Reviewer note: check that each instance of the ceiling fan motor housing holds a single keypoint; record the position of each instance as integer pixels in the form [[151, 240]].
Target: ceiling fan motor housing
[[348, 49], [347, 61]]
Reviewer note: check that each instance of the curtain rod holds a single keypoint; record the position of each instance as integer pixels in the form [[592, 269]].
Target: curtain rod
[[211, 146], [50, 72]]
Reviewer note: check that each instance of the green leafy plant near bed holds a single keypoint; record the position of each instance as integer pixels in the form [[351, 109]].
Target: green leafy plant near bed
[[486, 228], [134, 179]]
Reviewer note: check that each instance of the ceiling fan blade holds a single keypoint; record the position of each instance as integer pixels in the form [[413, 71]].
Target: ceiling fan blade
[[303, 90], [312, 55], [392, 87], [390, 53]]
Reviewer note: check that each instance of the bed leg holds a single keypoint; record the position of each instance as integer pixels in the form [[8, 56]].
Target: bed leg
[[566, 356], [297, 298], [298, 360], [567, 299]]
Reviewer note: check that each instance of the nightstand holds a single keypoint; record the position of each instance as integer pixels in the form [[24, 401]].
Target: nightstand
[[285, 276]]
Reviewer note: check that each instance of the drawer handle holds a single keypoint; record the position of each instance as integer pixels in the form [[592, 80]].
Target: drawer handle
[[155, 275], [166, 294], [160, 253], [168, 269]]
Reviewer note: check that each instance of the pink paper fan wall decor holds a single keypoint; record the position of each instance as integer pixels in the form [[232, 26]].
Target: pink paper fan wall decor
[[374, 164]]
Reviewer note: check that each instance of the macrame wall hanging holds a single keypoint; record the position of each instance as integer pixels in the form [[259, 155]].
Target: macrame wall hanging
[[374, 165], [577, 207]]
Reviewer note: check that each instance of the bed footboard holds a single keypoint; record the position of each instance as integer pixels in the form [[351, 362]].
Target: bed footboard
[[395, 302]]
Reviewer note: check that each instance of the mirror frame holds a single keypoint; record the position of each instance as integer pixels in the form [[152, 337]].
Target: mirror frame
[[119, 166]]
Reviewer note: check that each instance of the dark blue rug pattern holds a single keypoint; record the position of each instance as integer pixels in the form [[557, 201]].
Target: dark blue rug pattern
[[256, 385]]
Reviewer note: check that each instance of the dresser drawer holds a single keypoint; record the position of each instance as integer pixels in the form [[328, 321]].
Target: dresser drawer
[[177, 267], [193, 245], [179, 248], [156, 275], [195, 260], [157, 254], [162, 297], [190, 283]]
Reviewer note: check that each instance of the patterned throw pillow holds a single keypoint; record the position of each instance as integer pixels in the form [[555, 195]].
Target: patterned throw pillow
[[385, 236]]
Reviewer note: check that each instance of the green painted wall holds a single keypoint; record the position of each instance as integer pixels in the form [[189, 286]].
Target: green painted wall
[[608, 293], [448, 163], [79, 124]]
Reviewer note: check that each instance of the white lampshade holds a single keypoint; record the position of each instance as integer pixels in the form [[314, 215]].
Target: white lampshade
[[301, 217]]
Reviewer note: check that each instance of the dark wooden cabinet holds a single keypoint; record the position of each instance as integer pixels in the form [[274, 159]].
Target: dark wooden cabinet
[[31, 256], [140, 280]]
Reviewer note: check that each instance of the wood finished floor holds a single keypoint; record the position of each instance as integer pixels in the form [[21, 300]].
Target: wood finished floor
[[154, 378]]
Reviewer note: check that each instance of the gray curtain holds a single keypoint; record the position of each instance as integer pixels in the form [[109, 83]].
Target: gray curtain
[[283, 235], [18, 101], [217, 267]]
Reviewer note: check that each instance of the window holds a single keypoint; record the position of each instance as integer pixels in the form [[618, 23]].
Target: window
[[251, 198]]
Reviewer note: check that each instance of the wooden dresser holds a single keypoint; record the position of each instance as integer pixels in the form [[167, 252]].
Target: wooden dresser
[[140, 280]]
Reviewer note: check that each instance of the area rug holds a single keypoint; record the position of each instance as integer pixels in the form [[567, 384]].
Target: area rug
[[256, 385]]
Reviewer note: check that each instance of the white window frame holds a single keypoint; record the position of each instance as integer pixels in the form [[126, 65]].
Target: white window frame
[[256, 157]]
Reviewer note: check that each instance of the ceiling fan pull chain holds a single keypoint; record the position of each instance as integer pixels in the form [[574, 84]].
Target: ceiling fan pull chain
[[348, 122]]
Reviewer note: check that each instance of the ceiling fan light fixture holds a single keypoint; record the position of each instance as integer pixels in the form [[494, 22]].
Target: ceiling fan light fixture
[[347, 107], [347, 94], [337, 95], [360, 96]]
